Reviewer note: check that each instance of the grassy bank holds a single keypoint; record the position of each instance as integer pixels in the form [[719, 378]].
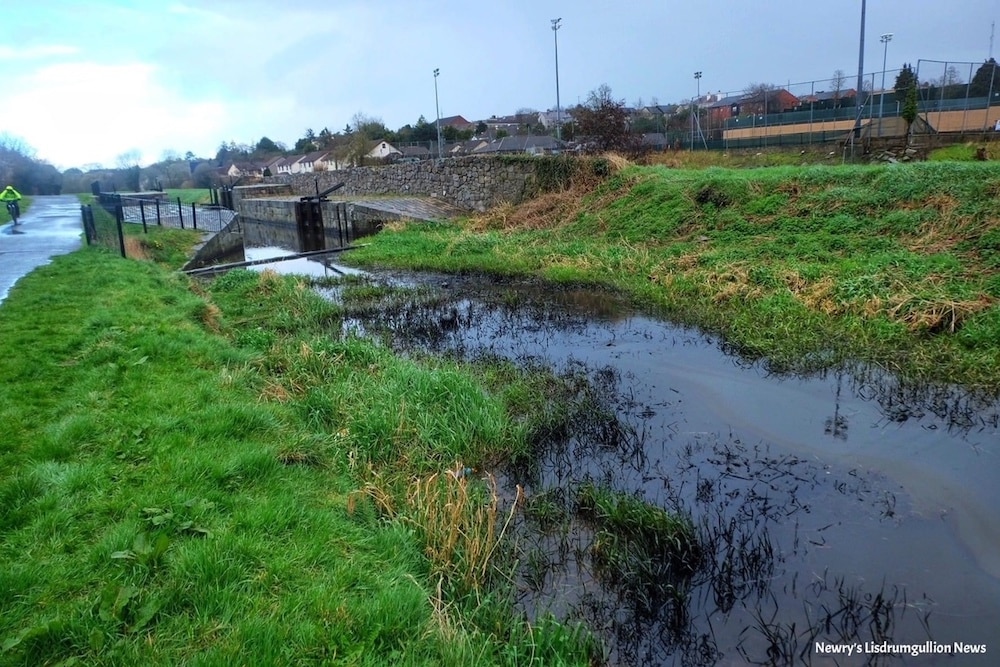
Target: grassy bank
[[896, 265], [202, 474]]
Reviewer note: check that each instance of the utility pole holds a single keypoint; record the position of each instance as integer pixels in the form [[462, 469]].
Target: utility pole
[[694, 107], [437, 109], [555, 39], [861, 75], [885, 39]]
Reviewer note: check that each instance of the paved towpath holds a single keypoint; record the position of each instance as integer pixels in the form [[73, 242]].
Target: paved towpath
[[50, 227]]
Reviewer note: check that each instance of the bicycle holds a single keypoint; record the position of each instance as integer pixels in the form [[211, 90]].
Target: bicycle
[[14, 210]]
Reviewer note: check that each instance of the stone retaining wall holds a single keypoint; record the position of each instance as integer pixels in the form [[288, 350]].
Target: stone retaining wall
[[474, 183]]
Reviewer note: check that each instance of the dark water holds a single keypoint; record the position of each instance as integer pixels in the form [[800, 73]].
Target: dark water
[[841, 508], [845, 508]]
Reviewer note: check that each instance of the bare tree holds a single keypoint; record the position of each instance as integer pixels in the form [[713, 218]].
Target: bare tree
[[760, 98], [950, 77], [128, 159], [604, 122], [837, 82]]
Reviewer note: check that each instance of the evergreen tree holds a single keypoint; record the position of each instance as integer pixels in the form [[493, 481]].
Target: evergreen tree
[[985, 80], [905, 79], [909, 113]]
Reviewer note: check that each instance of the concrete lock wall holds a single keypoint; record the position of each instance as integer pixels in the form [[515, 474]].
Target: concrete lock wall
[[474, 183], [260, 191], [268, 222]]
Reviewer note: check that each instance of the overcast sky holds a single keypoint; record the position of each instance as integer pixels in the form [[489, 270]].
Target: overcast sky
[[86, 82]]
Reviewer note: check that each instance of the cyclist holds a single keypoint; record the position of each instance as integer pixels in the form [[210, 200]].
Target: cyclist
[[11, 197]]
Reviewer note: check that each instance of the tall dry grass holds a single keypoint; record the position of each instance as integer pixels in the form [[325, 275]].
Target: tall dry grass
[[552, 209]]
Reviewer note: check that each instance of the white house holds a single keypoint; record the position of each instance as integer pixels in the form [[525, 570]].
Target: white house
[[382, 149]]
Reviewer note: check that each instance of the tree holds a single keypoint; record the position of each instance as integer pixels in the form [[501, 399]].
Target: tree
[[423, 131], [371, 127], [231, 152], [265, 145], [986, 80], [760, 98], [481, 128], [909, 112], [905, 79], [604, 122], [128, 165], [837, 84], [325, 139], [205, 176], [950, 77], [305, 145]]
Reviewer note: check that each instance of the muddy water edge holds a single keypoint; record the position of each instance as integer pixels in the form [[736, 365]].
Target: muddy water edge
[[845, 507]]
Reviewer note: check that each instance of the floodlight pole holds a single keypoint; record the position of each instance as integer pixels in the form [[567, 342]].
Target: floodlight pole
[[555, 38], [861, 74], [437, 110], [885, 39], [694, 106]]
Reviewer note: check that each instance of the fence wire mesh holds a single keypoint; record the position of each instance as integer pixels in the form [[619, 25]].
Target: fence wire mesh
[[959, 98], [114, 220]]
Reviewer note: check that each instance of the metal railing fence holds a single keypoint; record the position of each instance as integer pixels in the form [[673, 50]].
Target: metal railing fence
[[115, 218]]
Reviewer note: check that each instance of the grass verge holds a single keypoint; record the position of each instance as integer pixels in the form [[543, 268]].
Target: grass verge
[[200, 473]]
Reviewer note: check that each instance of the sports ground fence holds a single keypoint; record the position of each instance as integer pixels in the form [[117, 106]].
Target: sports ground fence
[[954, 100]]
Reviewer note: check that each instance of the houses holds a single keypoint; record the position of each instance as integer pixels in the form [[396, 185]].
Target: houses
[[754, 103], [304, 164], [381, 150], [457, 122], [527, 143], [507, 124], [832, 99]]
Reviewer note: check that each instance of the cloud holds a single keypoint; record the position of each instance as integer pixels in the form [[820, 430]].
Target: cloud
[[36, 52], [86, 113]]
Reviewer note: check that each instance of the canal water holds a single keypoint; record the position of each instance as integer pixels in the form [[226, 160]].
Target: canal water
[[844, 508]]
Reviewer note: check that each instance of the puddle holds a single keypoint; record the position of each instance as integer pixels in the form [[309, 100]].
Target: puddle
[[316, 267], [846, 507]]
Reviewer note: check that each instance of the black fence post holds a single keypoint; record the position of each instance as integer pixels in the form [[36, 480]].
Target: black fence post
[[86, 224], [119, 215], [142, 214], [180, 212], [341, 221], [158, 221], [194, 217]]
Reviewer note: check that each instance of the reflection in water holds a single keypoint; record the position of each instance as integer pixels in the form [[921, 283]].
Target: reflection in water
[[847, 507], [316, 267]]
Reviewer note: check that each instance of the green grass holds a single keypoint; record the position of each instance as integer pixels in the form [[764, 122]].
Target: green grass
[[192, 474], [897, 265], [966, 152], [189, 195], [5, 216], [164, 245]]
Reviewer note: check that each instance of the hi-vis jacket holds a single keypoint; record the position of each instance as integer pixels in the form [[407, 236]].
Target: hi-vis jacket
[[10, 194]]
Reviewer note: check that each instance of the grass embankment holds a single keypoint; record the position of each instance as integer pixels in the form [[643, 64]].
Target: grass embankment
[[202, 474], [897, 265]]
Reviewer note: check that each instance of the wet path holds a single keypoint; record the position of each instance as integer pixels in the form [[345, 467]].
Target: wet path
[[50, 227]]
